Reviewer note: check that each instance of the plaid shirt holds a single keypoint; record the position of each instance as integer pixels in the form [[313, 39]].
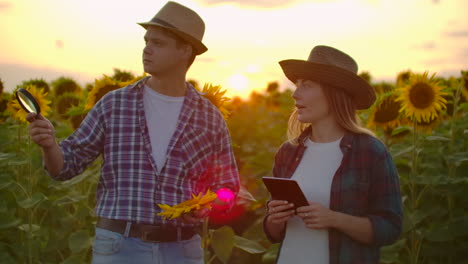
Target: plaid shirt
[[199, 156], [366, 184]]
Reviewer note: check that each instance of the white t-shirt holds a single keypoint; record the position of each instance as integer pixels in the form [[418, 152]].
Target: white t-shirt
[[162, 113], [314, 175]]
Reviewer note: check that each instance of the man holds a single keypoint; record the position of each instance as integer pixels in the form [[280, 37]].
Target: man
[[160, 142]]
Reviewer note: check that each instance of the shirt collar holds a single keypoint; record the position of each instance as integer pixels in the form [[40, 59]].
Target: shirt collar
[[192, 94], [345, 143]]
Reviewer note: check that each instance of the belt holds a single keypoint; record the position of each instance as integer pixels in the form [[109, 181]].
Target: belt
[[145, 232]]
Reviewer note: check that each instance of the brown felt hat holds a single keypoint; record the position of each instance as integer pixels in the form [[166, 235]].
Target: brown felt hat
[[183, 22], [333, 67]]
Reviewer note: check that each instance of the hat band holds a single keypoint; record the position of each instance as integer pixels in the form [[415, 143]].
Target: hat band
[[164, 23]]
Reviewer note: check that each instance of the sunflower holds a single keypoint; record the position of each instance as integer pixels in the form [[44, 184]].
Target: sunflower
[[216, 97], [102, 87], [385, 114], [421, 98], [403, 77], [196, 203], [465, 84], [17, 112], [428, 126]]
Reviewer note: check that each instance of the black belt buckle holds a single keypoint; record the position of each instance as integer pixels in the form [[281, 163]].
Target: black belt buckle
[[162, 235]]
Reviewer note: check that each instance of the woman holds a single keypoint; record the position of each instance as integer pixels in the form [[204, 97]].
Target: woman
[[345, 172]]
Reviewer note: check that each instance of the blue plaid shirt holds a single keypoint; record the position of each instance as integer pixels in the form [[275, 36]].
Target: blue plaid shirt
[[199, 156], [366, 184]]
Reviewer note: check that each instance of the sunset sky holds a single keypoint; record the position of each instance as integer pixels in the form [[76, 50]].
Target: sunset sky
[[84, 39]]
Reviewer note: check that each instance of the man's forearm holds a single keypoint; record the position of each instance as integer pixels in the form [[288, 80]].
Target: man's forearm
[[53, 159], [358, 228]]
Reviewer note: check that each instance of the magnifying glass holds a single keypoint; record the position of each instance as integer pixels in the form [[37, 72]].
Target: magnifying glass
[[27, 101]]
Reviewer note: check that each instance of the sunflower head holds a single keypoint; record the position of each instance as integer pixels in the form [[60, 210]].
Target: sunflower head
[[216, 97], [465, 84], [65, 102], [39, 83], [102, 87], [422, 97], [17, 112], [197, 202], [385, 113], [65, 85], [1, 86], [403, 77]]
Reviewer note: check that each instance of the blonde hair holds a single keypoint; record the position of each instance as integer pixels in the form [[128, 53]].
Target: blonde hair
[[343, 109]]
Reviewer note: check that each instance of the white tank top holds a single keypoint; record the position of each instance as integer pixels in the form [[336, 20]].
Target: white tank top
[[161, 113], [314, 175]]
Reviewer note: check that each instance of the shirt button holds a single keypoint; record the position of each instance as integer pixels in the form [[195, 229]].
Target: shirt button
[[158, 187]]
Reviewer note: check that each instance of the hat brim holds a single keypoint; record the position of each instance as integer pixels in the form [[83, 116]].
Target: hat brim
[[361, 91], [198, 46]]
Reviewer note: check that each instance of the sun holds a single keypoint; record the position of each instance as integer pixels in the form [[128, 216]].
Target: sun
[[239, 84]]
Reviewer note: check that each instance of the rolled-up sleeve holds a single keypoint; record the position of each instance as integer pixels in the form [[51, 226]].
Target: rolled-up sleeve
[[85, 144], [385, 205]]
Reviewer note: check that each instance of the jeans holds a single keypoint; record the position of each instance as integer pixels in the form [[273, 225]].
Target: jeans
[[112, 247]]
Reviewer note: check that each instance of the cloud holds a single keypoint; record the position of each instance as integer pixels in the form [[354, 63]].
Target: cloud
[[430, 45], [59, 44], [253, 3], [4, 6], [457, 34], [205, 59]]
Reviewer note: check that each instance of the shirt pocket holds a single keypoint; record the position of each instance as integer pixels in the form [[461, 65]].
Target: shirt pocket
[[198, 152]]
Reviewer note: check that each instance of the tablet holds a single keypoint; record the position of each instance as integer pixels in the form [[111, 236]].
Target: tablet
[[285, 189]]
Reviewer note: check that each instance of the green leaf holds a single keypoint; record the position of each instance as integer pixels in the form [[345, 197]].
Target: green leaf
[[25, 227], [458, 158], [437, 138], [6, 258], [6, 156], [248, 245], [390, 254], [69, 199], [33, 201], [79, 241], [404, 151], [8, 220], [441, 234], [222, 242], [4, 185], [270, 256], [399, 130], [74, 259]]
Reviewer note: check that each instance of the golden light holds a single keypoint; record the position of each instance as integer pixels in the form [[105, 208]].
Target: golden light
[[239, 85]]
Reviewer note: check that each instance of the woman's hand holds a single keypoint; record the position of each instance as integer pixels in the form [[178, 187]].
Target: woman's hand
[[316, 216], [279, 212]]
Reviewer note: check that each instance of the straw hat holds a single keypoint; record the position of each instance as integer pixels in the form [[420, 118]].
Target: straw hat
[[333, 67], [183, 22]]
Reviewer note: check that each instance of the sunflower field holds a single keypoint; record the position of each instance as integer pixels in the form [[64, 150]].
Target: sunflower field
[[422, 119]]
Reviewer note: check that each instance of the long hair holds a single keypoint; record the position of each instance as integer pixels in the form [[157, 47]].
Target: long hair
[[343, 109]]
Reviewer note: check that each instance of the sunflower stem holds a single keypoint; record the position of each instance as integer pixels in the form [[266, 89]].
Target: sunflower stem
[[415, 243], [30, 212], [205, 240], [451, 166]]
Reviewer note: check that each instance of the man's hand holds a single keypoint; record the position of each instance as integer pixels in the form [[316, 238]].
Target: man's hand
[[195, 216], [41, 130]]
